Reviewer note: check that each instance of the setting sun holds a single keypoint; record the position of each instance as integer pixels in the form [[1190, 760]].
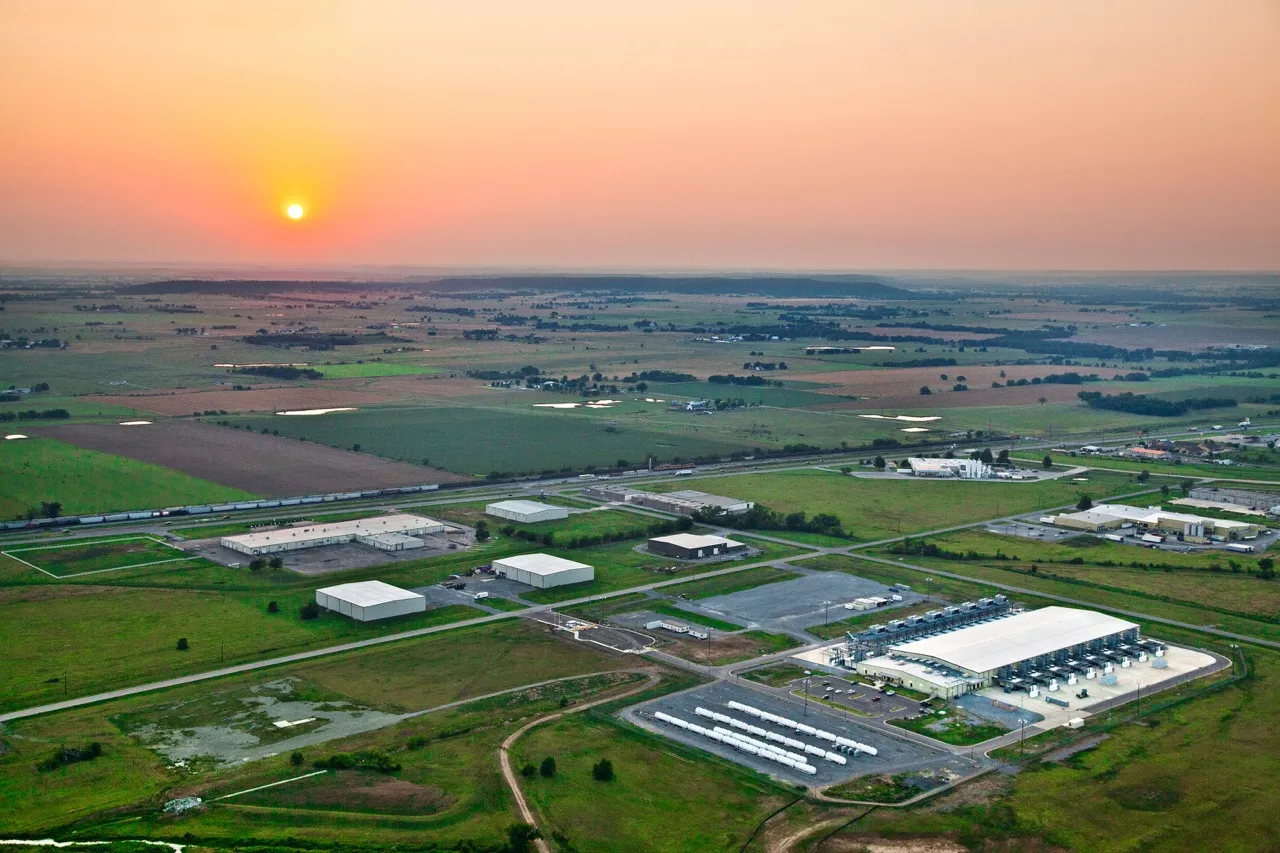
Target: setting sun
[[295, 211]]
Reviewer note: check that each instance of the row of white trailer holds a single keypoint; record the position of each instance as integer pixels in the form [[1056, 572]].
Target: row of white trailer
[[204, 509], [741, 743], [834, 757], [803, 728]]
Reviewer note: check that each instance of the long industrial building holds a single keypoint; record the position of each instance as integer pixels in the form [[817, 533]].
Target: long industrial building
[[385, 532], [1022, 647], [526, 512], [682, 502], [1156, 521], [368, 601], [543, 570], [691, 546]]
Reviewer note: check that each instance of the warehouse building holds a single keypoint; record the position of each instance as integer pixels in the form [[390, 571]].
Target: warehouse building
[[1155, 521], [368, 601], [1268, 502], [526, 512], [1022, 648], [683, 502], [960, 469], [367, 531], [690, 546], [543, 570]]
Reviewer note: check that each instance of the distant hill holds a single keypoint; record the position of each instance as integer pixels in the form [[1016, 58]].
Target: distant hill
[[864, 287]]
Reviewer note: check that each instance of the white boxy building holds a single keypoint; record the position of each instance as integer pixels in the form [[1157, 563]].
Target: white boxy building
[[543, 570], [368, 531], [961, 469], [368, 601], [526, 512]]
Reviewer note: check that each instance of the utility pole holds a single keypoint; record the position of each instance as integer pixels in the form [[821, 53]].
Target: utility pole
[[825, 605], [806, 697]]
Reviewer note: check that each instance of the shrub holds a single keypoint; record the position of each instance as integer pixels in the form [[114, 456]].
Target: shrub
[[183, 645], [603, 771], [528, 771], [548, 768], [273, 607], [70, 755], [310, 610], [296, 759]]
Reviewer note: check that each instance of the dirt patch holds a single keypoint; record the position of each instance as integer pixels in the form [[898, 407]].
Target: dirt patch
[[871, 844], [355, 790], [714, 651], [262, 464], [187, 402]]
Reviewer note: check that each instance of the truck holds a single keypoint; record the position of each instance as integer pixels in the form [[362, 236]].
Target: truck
[[1240, 548]]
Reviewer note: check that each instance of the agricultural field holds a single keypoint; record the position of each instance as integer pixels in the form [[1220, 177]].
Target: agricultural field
[[364, 370], [475, 441], [879, 509], [263, 464], [86, 481]]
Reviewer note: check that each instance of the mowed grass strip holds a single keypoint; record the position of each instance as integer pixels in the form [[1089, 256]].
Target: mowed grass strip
[[733, 582], [102, 555], [87, 481], [371, 369]]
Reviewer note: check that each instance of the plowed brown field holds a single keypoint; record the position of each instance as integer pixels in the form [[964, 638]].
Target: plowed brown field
[[263, 464]]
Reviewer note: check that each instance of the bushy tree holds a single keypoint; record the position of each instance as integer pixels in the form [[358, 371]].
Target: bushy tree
[[520, 837], [482, 530], [548, 767], [273, 607], [602, 771], [1046, 462], [1085, 503], [183, 645]]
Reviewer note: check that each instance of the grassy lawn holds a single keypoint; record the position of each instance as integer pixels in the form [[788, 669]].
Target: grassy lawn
[[877, 509], [104, 638], [504, 604], [735, 582], [86, 481], [664, 796], [1194, 470], [98, 555], [775, 675]]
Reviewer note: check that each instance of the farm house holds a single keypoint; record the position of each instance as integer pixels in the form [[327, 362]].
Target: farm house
[[363, 530], [526, 512], [543, 570], [368, 601], [690, 546]]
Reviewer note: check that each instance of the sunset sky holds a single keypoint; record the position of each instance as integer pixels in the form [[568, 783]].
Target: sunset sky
[[800, 134]]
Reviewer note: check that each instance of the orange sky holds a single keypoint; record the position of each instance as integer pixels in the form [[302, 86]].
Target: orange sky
[[656, 133]]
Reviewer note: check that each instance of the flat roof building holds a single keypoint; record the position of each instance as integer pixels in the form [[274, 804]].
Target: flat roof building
[[368, 601], [526, 512], [1023, 643], [1153, 519], [691, 546], [543, 570], [682, 502], [338, 533], [962, 469]]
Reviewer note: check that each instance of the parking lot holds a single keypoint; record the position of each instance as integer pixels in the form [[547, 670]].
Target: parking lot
[[796, 604], [894, 754], [1031, 531]]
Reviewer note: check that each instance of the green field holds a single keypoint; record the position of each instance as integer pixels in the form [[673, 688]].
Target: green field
[[784, 397], [877, 509], [956, 728], [372, 368], [86, 481], [114, 637], [99, 555], [477, 441], [734, 582]]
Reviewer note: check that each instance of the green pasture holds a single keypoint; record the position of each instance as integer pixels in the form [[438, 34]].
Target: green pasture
[[477, 441], [877, 509], [87, 481], [765, 395], [372, 368], [734, 582]]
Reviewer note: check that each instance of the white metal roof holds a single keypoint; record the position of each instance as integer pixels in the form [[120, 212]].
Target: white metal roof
[[397, 523], [391, 538], [539, 564], [694, 540], [368, 593], [916, 670], [521, 506], [991, 645], [1150, 515]]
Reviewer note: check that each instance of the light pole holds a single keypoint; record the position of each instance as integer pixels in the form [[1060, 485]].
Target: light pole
[[806, 697], [825, 605]]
